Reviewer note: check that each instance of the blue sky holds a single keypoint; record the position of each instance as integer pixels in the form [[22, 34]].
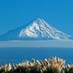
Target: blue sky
[[15, 13]]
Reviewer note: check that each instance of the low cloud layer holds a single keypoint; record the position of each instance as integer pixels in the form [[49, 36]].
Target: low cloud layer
[[38, 44]]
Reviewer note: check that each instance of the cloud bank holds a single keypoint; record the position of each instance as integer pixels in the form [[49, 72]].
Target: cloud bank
[[37, 44]]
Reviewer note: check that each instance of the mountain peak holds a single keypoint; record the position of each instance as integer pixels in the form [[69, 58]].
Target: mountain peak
[[38, 19], [40, 29]]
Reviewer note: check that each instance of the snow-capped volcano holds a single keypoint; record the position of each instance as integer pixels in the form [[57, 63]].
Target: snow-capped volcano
[[38, 29]]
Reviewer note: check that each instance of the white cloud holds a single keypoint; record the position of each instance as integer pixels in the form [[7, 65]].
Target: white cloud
[[37, 44]]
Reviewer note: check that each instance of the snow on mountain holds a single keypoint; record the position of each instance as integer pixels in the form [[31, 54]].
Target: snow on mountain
[[42, 30], [38, 29]]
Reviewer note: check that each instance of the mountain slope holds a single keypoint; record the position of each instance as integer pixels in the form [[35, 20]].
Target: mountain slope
[[41, 29], [38, 29]]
